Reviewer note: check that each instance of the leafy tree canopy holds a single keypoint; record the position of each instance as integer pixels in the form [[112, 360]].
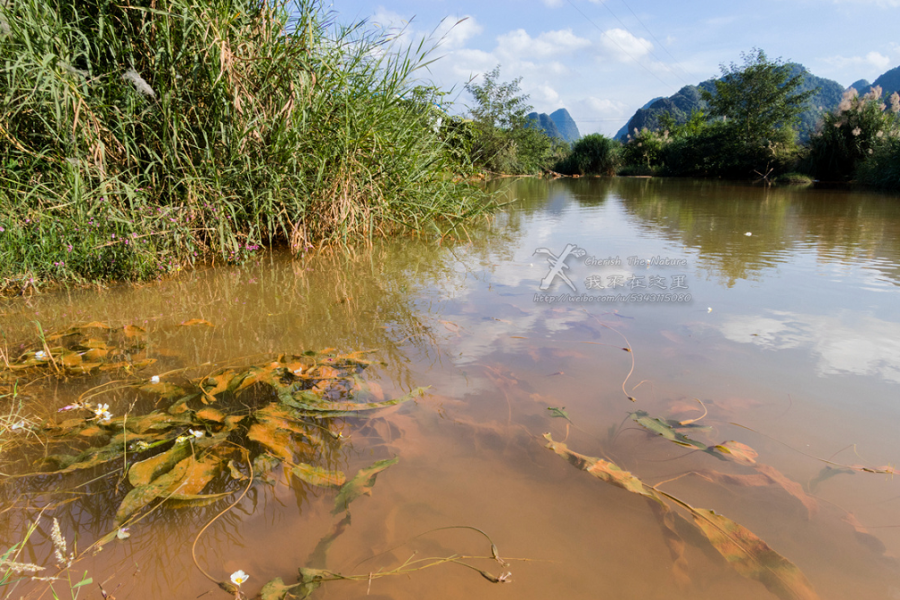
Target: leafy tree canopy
[[501, 105], [758, 97]]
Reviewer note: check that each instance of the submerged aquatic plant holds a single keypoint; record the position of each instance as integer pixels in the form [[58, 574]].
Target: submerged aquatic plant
[[280, 412]]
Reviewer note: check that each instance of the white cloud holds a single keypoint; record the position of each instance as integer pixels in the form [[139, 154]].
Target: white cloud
[[518, 43], [843, 343], [871, 59], [454, 32], [545, 95], [622, 45], [553, 3]]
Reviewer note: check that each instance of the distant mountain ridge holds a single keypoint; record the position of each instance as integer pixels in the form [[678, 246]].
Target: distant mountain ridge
[[687, 99], [889, 83], [558, 124]]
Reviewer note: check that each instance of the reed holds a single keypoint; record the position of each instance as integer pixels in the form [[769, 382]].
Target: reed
[[137, 139]]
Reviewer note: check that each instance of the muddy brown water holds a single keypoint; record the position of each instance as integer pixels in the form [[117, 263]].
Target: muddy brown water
[[778, 309]]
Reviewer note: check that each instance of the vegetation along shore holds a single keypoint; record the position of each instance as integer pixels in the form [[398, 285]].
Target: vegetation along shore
[[138, 140]]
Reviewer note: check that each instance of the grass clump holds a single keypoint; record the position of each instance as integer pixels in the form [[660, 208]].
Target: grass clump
[[794, 179], [139, 138]]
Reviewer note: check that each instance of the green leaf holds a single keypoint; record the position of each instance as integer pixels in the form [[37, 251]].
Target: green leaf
[[663, 428], [559, 413], [145, 471], [361, 484]]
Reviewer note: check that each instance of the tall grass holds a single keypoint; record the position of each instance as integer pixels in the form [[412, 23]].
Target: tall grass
[[140, 137]]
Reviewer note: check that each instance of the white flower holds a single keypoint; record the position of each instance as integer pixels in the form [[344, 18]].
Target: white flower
[[182, 438], [709, 309], [856, 131], [40, 355], [239, 577], [19, 425], [154, 379], [102, 412], [123, 534], [749, 233], [196, 433]]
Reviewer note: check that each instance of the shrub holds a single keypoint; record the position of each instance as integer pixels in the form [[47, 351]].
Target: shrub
[[593, 154], [850, 135], [882, 169]]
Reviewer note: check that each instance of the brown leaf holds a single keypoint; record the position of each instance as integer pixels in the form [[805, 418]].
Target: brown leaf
[[275, 440], [318, 476], [738, 452], [752, 557], [190, 322], [134, 332]]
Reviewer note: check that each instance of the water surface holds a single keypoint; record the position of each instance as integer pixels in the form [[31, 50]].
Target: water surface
[[781, 320]]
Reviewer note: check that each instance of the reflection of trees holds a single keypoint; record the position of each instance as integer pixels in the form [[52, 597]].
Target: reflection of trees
[[712, 217]]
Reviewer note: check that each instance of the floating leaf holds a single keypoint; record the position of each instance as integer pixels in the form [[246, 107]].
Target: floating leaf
[[263, 465], [157, 421], [196, 476], [361, 484], [134, 332], [163, 389], [225, 381], [69, 359], [143, 495], [607, 471], [211, 414], [190, 322], [145, 471], [736, 451], [275, 440], [318, 476], [235, 472], [96, 354]]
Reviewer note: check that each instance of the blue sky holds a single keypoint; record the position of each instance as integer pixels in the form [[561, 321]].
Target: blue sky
[[602, 60]]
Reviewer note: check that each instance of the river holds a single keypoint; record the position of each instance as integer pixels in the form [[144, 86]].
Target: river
[[729, 312]]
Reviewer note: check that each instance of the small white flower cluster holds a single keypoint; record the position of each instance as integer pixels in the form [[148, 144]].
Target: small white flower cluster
[[59, 546], [194, 434]]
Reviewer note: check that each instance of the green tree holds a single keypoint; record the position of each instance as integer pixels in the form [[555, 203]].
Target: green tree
[[504, 142], [593, 154], [758, 99]]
